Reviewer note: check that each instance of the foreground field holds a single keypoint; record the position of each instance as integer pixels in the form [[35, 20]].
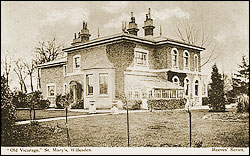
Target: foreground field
[[148, 129]]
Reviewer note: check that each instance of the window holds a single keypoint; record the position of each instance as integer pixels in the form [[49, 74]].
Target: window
[[186, 86], [164, 93], [157, 93], [89, 83], [51, 90], [103, 83], [174, 93], [150, 94], [174, 58], [76, 62], [176, 80], [186, 59], [141, 58], [136, 94], [196, 88], [195, 62]]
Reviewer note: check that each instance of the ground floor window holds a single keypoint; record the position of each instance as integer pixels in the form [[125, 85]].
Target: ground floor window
[[51, 90], [103, 83], [156, 94], [89, 83]]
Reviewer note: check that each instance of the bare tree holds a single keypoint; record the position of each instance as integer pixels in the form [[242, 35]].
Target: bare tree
[[21, 74], [46, 52], [7, 66], [30, 71], [197, 34]]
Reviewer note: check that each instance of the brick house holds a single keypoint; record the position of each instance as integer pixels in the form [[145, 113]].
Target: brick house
[[124, 64]]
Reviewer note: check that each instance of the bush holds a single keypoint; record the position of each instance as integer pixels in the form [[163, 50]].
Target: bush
[[133, 104], [8, 111], [59, 102], [78, 105], [20, 100], [43, 104], [243, 103], [164, 104], [205, 101]]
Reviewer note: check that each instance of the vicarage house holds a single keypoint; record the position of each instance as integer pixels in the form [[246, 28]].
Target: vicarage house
[[106, 68]]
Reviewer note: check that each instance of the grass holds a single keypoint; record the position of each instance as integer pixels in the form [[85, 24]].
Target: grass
[[43, 114], [147, 129]]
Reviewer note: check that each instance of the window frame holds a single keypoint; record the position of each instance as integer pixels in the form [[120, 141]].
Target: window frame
[[177, 58], [47, 89], [185, 88], [177, 79], [106, 74], [87, 87], [146, 52], [74, 63], [188, 59]]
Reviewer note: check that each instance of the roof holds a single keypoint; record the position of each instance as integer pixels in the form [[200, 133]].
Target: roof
[[125, 36], [137, 82], [60, 61]]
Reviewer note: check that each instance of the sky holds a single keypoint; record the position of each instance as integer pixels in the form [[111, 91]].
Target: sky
[[24, 24]]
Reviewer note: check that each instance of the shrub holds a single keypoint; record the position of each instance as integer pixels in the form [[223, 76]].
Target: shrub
[[166, 104], [8, 111], [43, 104], [20, 100], [78, 105], [63, 100], [133, 104], [243, 103], [59, 103], [205, 101]]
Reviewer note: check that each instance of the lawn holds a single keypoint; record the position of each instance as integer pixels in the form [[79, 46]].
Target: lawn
[[147, 129], [43, 114]]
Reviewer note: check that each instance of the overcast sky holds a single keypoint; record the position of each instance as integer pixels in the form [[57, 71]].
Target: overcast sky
[[25, 23]]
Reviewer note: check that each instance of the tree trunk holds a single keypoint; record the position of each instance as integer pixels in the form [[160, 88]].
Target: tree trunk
[[31, 84]]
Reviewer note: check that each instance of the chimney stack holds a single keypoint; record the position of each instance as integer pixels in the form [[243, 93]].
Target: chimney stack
[[83, 35], [132, 26], [148, 24]]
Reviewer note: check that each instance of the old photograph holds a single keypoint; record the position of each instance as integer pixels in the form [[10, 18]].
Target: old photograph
[[124, 77]]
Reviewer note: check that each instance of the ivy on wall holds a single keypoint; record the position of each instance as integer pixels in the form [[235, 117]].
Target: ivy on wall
[[121, 54], [181, 76]]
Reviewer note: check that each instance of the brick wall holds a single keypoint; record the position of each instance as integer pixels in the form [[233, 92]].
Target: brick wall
[[52, 75]]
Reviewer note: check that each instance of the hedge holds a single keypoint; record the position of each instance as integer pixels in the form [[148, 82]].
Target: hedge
[[166, 104], [133, 104]]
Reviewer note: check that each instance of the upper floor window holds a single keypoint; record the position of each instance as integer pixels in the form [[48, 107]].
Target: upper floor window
[[103, 83], [76, 62], [174, 58], [186, 59], [51, 90], [89, 83], [176, 80], [141, 57], [195, 62]]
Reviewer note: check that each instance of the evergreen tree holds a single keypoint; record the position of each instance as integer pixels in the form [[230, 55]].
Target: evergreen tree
[[241, 81], [216, 94], [8, 112]]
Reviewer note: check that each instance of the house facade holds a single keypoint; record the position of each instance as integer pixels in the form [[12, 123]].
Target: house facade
[[125, 65]]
